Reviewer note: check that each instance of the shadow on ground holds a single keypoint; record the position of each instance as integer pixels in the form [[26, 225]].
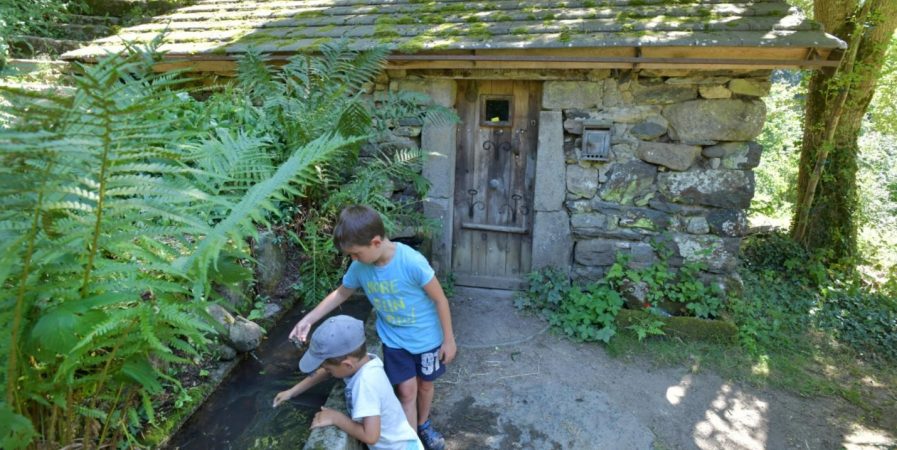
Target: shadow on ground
[[515, 384]]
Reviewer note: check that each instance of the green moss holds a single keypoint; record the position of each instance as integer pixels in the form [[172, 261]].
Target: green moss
[[386, 20], [518, 31], [566, 35], [405, 20], [413, 45], [433, 19], [473, 18], [686, 328], [154, 436], [502, 17], [479, 30], [704, 12], [308, 14], [385, 31], [589, 4], [455, 8], [549, 17]]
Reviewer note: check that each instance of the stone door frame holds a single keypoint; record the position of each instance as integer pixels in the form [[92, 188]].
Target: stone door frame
[[552, 240]]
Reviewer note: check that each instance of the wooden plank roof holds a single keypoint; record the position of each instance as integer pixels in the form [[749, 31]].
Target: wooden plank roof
[[577, 31]]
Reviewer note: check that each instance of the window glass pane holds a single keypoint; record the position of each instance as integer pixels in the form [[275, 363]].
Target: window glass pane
[[498, 110]]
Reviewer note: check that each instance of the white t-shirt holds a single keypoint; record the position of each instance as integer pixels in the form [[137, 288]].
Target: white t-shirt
[[368, 393]]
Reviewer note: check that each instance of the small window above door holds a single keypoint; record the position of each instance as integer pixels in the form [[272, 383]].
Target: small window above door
[[496, 111]]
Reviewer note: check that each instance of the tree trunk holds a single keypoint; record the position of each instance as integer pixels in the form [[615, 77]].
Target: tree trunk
[[825, 218]]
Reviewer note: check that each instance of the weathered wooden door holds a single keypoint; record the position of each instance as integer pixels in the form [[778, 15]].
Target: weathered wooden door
[[494, 178]]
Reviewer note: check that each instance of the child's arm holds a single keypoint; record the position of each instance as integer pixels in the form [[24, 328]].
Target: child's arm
[[368, 431], [434, 291], [300, 387], [330, 302]]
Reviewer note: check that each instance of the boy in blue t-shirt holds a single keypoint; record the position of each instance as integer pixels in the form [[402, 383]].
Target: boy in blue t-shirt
[[413, 317]]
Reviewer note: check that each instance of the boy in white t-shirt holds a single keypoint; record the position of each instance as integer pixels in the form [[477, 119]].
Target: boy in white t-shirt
[[377, 419]]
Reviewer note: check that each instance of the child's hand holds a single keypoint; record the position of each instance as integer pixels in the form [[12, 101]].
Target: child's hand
[[325, 417], [448, 351], [281, 397], [300, 331]]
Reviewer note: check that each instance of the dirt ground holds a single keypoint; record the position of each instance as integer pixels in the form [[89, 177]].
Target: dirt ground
[[514, 384]]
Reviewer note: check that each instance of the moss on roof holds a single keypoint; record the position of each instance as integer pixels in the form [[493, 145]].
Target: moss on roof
[[409, 26]]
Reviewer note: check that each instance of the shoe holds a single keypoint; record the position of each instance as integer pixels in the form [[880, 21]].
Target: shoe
[[431, 438]]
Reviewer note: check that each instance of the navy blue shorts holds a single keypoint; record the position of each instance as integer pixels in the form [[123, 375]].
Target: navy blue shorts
[[401, 365]]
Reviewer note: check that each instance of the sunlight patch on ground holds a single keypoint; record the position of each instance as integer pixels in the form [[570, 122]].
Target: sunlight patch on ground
[[675, 394], [861, 438], [734, 420]]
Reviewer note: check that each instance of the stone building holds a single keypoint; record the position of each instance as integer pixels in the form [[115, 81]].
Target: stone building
[[588, 128]]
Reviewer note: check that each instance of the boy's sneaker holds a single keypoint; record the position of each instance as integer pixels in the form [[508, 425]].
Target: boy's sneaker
[[431, 438]]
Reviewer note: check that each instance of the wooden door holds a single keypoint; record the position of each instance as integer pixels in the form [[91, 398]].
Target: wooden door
[[493, 216]]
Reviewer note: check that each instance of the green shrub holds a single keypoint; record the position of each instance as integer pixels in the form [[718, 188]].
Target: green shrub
[[665, 284], [865, 321], [588, 313], [777, 252], [772, 311]]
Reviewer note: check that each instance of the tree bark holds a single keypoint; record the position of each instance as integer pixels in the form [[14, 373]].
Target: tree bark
[[825, 218]]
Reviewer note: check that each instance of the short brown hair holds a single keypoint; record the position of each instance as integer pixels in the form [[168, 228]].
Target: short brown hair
[[357, 225], [358, 353]]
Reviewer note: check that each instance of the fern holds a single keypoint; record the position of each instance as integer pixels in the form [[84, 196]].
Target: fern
[[111, 214]]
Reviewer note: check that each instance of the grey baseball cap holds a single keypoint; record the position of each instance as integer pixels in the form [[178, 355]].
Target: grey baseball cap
[[337, 336]]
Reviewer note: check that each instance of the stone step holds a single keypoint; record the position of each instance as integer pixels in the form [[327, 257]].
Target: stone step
[[37, 87], [107, 21], [82, 32], [119, 8], [38, 70], [27, 46]]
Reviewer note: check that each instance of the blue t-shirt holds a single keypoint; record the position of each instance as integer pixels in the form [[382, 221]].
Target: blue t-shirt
[[406, 317]]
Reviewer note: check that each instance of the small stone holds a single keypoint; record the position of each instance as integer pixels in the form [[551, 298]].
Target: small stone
[[697, 225], [715, 163], [714, 92]]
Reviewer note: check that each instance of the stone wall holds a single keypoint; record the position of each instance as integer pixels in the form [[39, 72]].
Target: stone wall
[[679, 172]]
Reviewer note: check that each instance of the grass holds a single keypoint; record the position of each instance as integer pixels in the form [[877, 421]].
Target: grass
[[810, 366]]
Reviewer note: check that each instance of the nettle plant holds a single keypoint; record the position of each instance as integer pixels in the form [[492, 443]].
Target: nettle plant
[[588, 312], [681, 285], [115, 216]]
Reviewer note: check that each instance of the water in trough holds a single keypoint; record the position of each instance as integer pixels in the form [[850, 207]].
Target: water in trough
[[238, 415]]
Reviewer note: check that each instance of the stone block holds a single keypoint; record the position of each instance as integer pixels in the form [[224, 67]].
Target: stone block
[[594, 252], [628, 181], [572, 94], [582, 182], [746, 157], [660, 93], [440, 210], [673, 156], [643, 218], [728, 222], [439, 144], [588, 224], [648, 130], [700, 121], [732, 189], [270, 263], [552, 240], [718, 254], [587, 274], [697, 225], [641, 255], [550, 189], [714, 91], [750, 87]]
